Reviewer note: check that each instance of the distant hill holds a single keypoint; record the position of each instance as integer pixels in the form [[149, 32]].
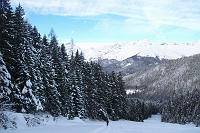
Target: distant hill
[[161, 81], [130, 65]]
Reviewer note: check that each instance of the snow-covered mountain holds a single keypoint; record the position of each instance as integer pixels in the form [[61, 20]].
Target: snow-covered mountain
[[162, 80], [130, 65], [121, 51]]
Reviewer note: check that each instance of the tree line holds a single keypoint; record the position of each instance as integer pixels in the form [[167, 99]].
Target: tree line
[[182, 108], [139, 109]]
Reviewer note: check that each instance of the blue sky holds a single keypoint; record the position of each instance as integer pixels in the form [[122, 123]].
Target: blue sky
[[116, 20]]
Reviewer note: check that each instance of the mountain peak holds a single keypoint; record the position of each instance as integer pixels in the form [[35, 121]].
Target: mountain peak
[[121, 51]]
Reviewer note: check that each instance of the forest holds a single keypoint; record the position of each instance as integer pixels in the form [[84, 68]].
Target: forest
[[38, 76]]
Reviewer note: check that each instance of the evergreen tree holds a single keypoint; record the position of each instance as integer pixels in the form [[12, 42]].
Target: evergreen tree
[[51, 103], [77, 87], [92, 106], [36, 38], [6, 34], [64, 81], [6, 25], [5, 85], [182, 108], [122, 103], [60, 75], [103, 92], [22, 61]]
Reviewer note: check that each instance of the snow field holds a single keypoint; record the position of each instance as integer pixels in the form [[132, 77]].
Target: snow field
[[151, 125], [121, 51]]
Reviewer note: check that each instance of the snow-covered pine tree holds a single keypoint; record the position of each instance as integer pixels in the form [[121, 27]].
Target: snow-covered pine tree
[[80, 92], [91, 104], [7, 37], [42, 71], [10, 96], [74, 97], [60, 73], [31, 59], [107, 95], [114, 97], [182, 108], [64, 81], [5, 86], [65, 59], [76, 91], [196, 110], [101, 90], [6, 24], [6, 34], [36, 39], [34, 64], [196, 115], [122, 103], [22, 50], [51, 102]]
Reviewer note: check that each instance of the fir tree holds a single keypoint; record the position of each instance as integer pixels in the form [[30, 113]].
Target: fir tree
[[22, 50], [64, 81], [77, 87], [7, 34], [92, 104], [5, 85], [60, 75], [36, 38], [182, 108], [122, 103], [51, 94]]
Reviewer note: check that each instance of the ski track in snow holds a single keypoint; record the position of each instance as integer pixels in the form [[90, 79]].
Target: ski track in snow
[[151, 125]]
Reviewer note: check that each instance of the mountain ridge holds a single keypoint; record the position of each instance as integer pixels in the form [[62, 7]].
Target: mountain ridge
[[121, 51]]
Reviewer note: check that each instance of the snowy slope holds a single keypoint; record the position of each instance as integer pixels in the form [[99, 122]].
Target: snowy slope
[[121, 51], [152, 125]]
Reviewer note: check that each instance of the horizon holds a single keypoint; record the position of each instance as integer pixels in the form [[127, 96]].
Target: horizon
[[115, 21]]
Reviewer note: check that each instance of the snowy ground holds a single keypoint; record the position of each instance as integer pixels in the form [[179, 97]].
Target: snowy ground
[[152, 125]]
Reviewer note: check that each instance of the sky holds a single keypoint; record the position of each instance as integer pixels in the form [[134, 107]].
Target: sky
[[103, 21]]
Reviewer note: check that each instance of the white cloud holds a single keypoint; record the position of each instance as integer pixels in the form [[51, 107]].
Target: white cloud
[[182, 13], [173, 12]]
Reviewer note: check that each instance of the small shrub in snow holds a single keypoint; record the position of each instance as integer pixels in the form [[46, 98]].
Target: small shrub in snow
[[6, 122]]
